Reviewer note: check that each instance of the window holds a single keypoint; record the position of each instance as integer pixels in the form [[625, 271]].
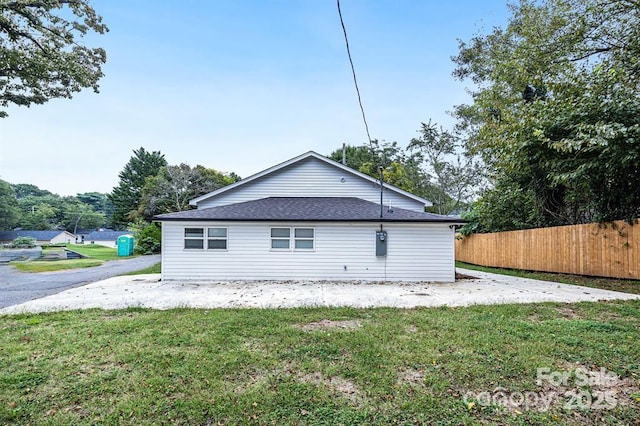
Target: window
[[280, 238], [216, 238], [302, 238], [193, 238]]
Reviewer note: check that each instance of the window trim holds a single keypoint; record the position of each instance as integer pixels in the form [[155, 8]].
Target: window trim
[[225, 238], [205, 238], [292, 239], [278, 238], [186, 238]]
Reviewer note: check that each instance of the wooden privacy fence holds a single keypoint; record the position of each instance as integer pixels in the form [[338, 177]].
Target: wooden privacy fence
[[604, 250]]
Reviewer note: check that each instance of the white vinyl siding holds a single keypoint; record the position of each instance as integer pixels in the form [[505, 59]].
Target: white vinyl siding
[[342, 251], [312, 178]]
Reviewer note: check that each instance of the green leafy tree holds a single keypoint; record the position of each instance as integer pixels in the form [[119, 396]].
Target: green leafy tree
[[398, 168], [25, 189], [126, 197], [174, 186], [456, 177], [41, 55], [100, 203], [555, 112], [39, 216], [55, 212], [78, 215], [147, 237], [9, 208], [436, 173]]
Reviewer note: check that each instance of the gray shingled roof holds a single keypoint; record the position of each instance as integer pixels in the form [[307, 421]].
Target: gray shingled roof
[[320, 209], [105, 235], [38, 235]]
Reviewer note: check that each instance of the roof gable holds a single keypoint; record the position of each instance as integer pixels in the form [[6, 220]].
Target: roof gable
[[311, 154]]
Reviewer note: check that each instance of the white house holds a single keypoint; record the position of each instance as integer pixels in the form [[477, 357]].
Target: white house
[[308, 218], [104, 237]]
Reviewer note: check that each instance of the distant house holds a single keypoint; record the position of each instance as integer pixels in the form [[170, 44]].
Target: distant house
[[41, 237], [308, 218], [104, 237]]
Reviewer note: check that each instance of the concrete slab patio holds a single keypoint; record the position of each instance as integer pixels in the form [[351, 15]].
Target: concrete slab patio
[[147, 291]]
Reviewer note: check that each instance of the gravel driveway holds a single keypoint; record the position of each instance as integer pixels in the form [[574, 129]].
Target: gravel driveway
[[148, 291], [18, 287]]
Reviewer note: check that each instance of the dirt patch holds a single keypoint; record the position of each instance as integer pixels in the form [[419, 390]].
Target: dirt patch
[[411, 375], [345, 387], [330, 324], [412, 329], [567, 312], [460, 276]]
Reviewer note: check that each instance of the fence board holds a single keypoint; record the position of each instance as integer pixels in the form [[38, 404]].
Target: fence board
[[604, 250]]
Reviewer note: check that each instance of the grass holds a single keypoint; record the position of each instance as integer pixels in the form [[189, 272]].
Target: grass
[[96, 255], [58, 265], [625, 286], [96, 251], [296, 366], [153, 269]]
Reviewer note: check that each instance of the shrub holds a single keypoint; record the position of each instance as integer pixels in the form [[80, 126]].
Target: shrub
[[24, 242], [147, 238]]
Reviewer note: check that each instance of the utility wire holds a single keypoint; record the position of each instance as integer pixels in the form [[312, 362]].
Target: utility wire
[[353, 71]]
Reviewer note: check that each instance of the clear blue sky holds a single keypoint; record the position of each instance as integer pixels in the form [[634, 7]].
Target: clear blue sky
[[242, 85]]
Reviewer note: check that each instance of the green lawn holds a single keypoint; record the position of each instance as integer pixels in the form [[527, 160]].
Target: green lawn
[[625, 286], [315, 366], [96, 251], [55, 265], [96, 255]]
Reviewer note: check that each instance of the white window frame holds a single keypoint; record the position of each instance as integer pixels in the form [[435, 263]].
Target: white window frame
[[296, 238], [218, 238], [280, 238], [205, 238], [292, 239]]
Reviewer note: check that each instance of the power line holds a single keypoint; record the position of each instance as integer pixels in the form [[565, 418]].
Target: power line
[[353, 71]]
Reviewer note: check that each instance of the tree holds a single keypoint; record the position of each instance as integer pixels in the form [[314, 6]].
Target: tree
[[410, 171], [127, 195], [555, 112], [9, 209], [455, 176], [172, 188], [398, 169], [41, 56], [100, 203], [78, 215], [25, 189]]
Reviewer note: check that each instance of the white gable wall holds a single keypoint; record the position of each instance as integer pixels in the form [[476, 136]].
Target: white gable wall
[[311, 178], [416, 252], [63, 237]]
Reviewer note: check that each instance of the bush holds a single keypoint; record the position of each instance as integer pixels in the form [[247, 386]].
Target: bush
[[148, 238], [24, 242]]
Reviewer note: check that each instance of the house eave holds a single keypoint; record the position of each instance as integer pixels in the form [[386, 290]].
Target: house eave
[[279, 220]]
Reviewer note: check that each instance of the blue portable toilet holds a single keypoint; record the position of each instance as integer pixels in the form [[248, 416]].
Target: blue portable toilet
[[125, 245]]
